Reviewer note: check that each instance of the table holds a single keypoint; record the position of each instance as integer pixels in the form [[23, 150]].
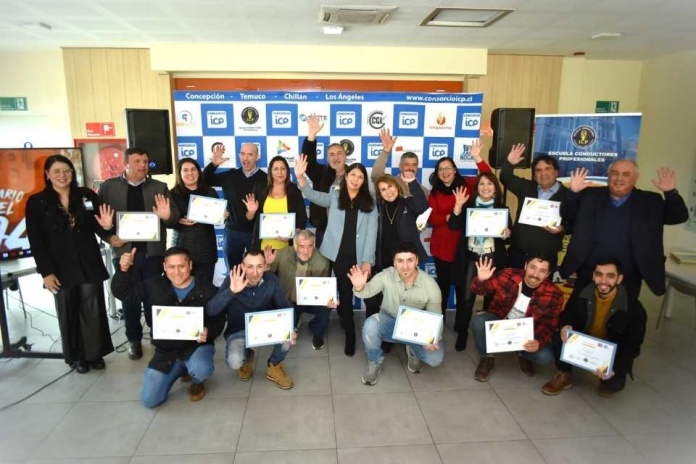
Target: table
[[680, 278]]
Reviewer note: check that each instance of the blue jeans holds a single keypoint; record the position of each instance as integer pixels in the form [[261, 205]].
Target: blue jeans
[[320, 320], [379, 328], [144, 267], [236, 352], [235, 244], [478, 330], [157, 384]]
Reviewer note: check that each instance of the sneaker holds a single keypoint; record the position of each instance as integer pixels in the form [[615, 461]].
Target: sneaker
[[483, 370], [196, 391], [414, 364], [135, 350], [526, 366], [604, 391], [247, 369], [317, 342], [277, 374], [371, 372], [559, 382]]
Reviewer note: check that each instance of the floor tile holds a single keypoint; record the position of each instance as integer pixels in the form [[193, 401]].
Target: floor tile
[[310, 375], [416, 454], [120, 382], [326, 456], [185, 459], [589, 450], [672, 448], [518, 452], [25, 426], [346, 375]]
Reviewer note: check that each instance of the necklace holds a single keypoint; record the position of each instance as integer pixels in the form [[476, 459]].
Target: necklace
[[396, 210]]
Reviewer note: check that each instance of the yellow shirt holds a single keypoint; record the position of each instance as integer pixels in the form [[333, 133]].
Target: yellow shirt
[[602, 307], [274, 205]]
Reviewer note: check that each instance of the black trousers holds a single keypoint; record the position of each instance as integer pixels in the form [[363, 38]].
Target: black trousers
[[445, 270], [84, 327], [341, 269]]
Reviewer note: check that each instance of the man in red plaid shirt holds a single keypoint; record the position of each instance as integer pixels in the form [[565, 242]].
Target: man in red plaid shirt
[[518, 293]]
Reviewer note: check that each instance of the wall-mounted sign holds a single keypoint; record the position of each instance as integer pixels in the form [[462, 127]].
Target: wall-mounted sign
[[100, 129], [606, 107], [13, 104]]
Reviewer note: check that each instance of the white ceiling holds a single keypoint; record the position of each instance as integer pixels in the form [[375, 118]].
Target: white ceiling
[[649, 28]]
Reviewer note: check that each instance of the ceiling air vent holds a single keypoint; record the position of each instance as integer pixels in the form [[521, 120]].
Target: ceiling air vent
[[330, 14]]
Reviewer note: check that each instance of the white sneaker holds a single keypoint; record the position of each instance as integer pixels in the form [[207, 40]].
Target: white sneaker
[[371, 372], [414, 364]]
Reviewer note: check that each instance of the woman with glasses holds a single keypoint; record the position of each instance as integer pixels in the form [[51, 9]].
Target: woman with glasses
[[199, 239], [62, 221], [444, 240]]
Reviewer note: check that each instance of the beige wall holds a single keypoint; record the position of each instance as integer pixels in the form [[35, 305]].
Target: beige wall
[[40, 77]]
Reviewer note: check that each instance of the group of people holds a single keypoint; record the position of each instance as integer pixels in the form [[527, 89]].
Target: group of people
[[372, 245]]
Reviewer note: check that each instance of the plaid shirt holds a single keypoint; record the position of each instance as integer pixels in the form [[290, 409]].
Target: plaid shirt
[[545, 305]]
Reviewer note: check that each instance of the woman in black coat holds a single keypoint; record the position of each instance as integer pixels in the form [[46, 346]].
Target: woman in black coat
[[199, 239], [470, 249], [62, 221]]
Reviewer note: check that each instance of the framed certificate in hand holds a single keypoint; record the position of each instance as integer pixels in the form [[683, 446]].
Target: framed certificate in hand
[[315, 291], [486, 222], [207, 210], [508, 334], [541, 213], [138, 227], [177, 322], [277, 225], [417, 326], [269, 327], [589, 353]]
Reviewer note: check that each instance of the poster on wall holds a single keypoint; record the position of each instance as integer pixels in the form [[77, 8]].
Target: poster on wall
[[103, 159], [592, 141], [21, 176]]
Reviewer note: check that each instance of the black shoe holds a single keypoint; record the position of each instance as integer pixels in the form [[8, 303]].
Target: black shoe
[[387, 347], [317, 342], [349, 349], [460, 344], [98, 365], [82, 367], [135, 350]]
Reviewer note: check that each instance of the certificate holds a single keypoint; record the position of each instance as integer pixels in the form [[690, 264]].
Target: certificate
[[207, 210], [588, 352], [177, 322], [315, 291], [277, 225], [138, 227], [536, 212], [486, 222], [417, 326], [268, 327], [508, 334]]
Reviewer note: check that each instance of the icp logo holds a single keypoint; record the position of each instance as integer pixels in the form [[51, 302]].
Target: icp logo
[[187, 150], [216, 119], [471, 121], [345, 119], [408, 120], [374, 150], [437, 151], [281, 119]]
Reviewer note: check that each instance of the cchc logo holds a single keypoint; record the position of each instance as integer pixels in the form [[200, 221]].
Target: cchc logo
[[374, 150], [583, 137], [217, 119], [437, 151], [250, 115], [187, 150], [345, 119], [184, 118], [376, 119], [348, 146], [471, 121], [408, 119], [281, 119]]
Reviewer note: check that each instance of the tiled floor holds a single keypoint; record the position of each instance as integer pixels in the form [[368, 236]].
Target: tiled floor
[[438, 416]]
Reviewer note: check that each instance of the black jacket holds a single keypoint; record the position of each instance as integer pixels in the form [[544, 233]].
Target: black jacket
[[296, 205], [625, 324], [198, 239], [322, 177], [528, 238], [73, 255], [649, 213], [160, 292]]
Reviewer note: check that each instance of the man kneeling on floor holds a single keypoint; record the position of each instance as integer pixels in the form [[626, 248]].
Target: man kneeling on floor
[[403, 284], [177, 287], [249, 289], [602, 310], [517, 293]]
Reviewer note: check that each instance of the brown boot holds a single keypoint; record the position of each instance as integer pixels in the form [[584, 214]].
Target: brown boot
[[247, 369], [559, 382], [196, 391], [526, 366], [277, 374], [604, 391], [486, 363]]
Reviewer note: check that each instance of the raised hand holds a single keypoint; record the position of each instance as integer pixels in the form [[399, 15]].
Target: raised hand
[[105, 218], [387, 140], [217, 159], [578, 180], [666, 179], [460, 197], [314, 126], [357, 277], [238, 281], [52, 283], [475, 150], [251, 203], [516, 154], [162, 208], [301, 168], [484, 268], [366, 268], [270, 254], [127, 259]]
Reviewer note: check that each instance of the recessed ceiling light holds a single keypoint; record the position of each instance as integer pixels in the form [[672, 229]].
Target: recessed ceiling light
[[464, 17], [37, 26], [332, 30], [607, 35]]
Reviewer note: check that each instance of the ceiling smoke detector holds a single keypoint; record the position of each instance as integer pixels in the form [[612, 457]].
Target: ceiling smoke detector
[[363, 15]]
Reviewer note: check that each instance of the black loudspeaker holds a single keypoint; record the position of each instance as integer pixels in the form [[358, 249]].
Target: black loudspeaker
[[149, 130], [511, 126]]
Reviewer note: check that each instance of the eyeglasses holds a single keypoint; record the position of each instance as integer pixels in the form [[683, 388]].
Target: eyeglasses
[[56, 172], [445, 169]]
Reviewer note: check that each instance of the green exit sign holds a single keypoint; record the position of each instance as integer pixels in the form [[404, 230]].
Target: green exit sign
[[13, 103], [607, 107]]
